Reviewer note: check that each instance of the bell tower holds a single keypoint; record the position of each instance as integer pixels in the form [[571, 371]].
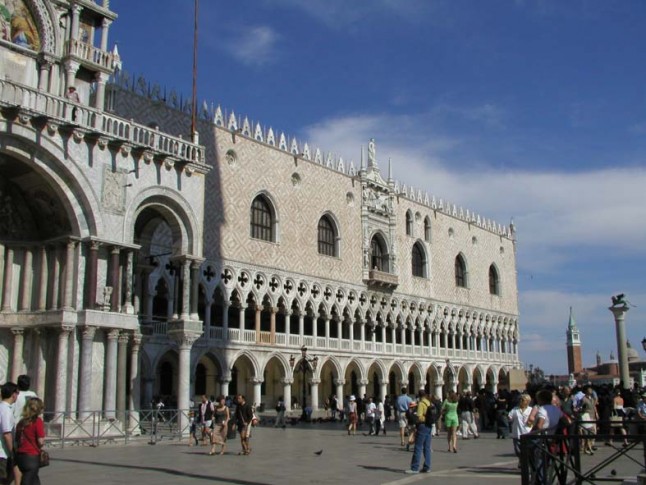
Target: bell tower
[[574, 362]]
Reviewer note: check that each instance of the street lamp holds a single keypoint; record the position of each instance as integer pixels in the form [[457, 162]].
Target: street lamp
[[304, 365], [644, 344]]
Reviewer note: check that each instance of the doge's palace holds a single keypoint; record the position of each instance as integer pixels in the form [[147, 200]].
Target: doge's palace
[[141, 262]]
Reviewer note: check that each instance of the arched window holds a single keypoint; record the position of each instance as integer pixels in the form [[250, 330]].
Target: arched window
[[494, 281], [378, 256], [460, 272], [262, 219], [327, 237], [200, 379], [419, 261], [409, 223], [427, 229]]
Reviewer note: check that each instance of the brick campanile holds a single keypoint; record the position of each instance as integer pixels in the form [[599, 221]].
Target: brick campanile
[[574, 361]]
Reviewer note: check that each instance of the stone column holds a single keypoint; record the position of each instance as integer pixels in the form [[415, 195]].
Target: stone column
[[402, 334], [272, 324], [40, 362], [76, 14], [315, 394], [186, 289], [122, 359], [287, 393], [42, 282], [339, 389], [383, 390], [315, 328], [327, 331], [16, 361], [225, 320], [68, 283], [339, 329], [362, 336], [114, 278], [91, 275], [1, 272], [55, 277], [195, 288], [351, 330], [224, 386], [129, 276], [105, 27], [43, 78], [26, 281], [85, 372], [207, 318], [60, 405], [257, 323], [184, 385], [288, 325], [110, 392], [257, 396], [437, 390], [393, 336], [362, 387], [134, 403], [301, 326], [8, 281], [619, 311], [241, 319]]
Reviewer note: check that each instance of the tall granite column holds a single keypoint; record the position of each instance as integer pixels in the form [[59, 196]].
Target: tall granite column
[[619, 312], [60, 405], [16, 361], [85, 372], [134, 403], [8, 281], [110, 385], [68, 281], [26, 280], [122, 369]]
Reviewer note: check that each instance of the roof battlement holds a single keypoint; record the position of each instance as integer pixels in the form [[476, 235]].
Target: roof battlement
[[254, 130]]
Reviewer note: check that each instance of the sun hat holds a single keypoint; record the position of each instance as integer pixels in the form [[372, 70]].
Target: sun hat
[[352, 398]]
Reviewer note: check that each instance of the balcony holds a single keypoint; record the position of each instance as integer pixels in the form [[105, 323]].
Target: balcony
[[91, 56], [382, 279], [31, 102]]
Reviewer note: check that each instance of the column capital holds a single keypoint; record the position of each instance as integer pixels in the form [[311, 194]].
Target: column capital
[[136, 339], [17, 331], [287, 380], [115, 250], [124, 338], [76, 8], [315, 382], [257, 380], [113, 334], [106, 23], [66, 328], [94, 245], [88, 332], [186, 341], [339, 382], [364, 382]]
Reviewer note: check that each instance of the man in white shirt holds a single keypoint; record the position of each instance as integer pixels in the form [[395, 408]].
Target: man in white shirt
[[9, 393], [24, 383], [371, 410]]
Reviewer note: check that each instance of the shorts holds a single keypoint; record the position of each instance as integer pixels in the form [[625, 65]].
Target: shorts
[[207, 424], [6, 469], [403, 422], [451, 421]]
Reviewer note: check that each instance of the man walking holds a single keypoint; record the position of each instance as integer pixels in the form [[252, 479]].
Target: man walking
[[422, 435], [206, 418], [402, 403], [9, 393]]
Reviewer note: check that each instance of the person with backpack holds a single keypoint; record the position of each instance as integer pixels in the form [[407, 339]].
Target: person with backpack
[[426, 417]]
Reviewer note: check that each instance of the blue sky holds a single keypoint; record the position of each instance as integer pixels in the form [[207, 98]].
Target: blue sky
[[531, 109]]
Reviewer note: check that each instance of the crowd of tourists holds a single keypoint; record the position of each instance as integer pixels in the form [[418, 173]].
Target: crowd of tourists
[[22, 433]]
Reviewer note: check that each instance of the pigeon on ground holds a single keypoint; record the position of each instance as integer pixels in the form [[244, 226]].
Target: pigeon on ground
[[319, 453]]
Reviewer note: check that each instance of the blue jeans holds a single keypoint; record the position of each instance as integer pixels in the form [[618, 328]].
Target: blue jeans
[[422, 445]]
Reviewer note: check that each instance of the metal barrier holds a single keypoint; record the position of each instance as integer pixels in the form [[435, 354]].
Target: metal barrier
[[95, 428], [556, 458]]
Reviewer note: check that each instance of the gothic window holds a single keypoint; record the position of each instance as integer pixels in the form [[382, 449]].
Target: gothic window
[[494, 281], [327, 237], [378, 255], [419, 261], [262, 219], [427, 229], [460, 272], [409, 223]]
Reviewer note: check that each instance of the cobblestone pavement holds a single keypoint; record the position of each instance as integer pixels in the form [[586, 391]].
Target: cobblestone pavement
[[285, 456]]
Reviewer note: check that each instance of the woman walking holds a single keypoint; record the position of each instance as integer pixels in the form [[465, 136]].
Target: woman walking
[[30, 437], [221, 418], [353, 418], [617, 417], [520, 424], [450, 414]]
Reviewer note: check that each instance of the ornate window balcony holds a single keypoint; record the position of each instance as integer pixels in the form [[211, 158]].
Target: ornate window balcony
[[87, 54], [382, 279]]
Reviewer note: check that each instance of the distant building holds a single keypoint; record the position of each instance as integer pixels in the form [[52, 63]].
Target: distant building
[[574, 360]]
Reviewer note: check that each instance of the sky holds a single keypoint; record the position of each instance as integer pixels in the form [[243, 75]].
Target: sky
[[527, 109]]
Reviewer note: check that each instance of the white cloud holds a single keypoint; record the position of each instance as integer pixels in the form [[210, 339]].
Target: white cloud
[[337, 14], [254, 46]]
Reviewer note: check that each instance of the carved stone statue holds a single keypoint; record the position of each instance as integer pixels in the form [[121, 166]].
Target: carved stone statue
[[372, 155]]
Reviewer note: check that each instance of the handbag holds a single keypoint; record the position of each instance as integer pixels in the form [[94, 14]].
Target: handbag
[[44, 459]]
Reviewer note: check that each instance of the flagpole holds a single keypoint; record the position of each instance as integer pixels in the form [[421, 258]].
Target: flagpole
[[194, 104]]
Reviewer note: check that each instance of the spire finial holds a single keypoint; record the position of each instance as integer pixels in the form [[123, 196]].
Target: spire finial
[[390, 169]]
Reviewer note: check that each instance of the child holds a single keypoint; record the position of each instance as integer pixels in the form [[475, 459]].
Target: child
[[192, 429]]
